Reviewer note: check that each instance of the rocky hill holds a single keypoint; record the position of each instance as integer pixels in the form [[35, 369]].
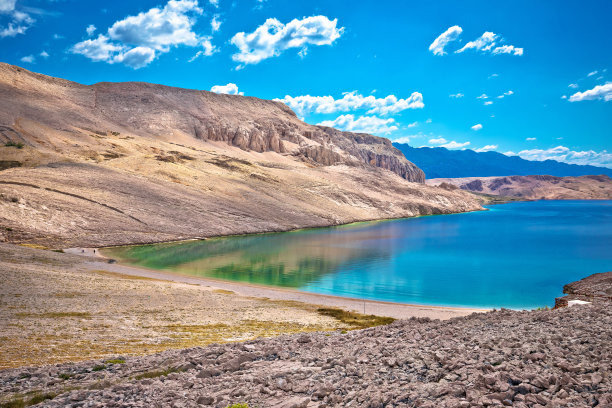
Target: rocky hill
[[535, 187], [115, 163], [440, 162]]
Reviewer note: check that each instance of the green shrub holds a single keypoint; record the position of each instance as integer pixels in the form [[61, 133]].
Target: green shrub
[[99, 367], [116, 361], [18, 145], [240, 405]]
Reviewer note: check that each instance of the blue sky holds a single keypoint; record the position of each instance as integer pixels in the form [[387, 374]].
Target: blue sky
[[520, 77]]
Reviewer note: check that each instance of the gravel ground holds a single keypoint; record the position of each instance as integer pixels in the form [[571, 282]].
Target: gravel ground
[[547, 358]]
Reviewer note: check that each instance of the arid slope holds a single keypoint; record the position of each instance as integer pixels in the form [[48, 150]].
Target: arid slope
[[134, 162], [535, 187]]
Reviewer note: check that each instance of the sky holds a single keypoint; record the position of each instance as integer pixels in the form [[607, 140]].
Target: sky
[[525, 77]]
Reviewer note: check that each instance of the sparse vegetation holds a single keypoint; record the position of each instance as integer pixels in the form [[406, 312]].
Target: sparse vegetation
[[356, 320], [98, 367], [54, 315], [239, 405], [22, 401], [18, 145], [115, 361]]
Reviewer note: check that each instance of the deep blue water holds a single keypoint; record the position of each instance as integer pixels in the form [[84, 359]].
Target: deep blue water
[[516, 255]]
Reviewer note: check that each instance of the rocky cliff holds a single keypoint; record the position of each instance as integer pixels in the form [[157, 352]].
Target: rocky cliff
[[159, 111], [118, 163]]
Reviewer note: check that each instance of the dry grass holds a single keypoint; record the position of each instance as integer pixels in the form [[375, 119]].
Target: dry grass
[[355, 320]]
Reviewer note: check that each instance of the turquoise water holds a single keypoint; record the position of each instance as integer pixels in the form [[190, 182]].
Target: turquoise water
[[516, 255]]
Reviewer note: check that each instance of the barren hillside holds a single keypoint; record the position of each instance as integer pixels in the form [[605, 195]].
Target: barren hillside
[[117, 163], [536, 187]]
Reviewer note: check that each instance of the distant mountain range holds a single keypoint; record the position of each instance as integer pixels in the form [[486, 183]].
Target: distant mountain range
[[439, 162]]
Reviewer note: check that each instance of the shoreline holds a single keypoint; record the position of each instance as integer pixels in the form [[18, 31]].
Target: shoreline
[[376, 307]]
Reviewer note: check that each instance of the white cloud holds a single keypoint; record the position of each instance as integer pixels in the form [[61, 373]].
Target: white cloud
[[477, 127], [455, 145], [351, 101], [483, 96], [530, 139], [574, 86], [214, 3], [492, 76], [137, 40], [592, 73], [451, 34], [403, 139], [437, 141], [363, 124], [90, 30], [507, 49], [564, 154], [505, 94], [230, 89], [428, 120], [488, 103], [7, 5], [413, 124], [486, 148], [215, 24], [599, 92], [273, 37], [28, 59], [18, 21], [457, 95], [490, 42], [44, 54]]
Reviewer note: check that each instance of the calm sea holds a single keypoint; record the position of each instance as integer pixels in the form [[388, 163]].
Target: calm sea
[[516, 255]]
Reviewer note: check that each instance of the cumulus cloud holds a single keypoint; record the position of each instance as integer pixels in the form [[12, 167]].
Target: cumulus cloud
[[28, 59], [437, 141], [18, 21], [483, 96], [90, 29], [486, 148], [137, 40], [273, 37], [530, 139], [566, 155], [490, 42], [403, 139], [229, 89], [457, 95], [413, 124], [488, 103], [477, 127], [455, 145], [351, 101], [451, 34], [362, 124], [598, 92]]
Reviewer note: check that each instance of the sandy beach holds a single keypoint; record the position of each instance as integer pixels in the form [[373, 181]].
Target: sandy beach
[[61, 307]]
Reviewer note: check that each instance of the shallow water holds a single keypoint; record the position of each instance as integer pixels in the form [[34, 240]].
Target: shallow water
[[516, 255]]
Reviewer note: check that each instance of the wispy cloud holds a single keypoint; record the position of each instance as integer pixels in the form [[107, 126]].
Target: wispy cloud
[[530, 139], [451, 34], [456, 96], [566, 155], [486, 148], [19, 20], [490, 42]]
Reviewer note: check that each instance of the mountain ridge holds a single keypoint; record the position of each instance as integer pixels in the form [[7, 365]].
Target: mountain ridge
[[439, 162]]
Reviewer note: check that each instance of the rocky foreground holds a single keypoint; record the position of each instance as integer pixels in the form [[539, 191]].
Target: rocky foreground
[[546, 358]]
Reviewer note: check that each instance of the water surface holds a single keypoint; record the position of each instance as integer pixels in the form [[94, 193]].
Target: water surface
[[516, 255]]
